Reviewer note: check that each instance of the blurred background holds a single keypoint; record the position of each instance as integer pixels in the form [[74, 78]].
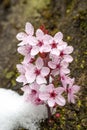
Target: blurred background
[[67, 16]]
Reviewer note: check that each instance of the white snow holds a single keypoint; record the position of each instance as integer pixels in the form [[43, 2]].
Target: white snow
[[15, 112]]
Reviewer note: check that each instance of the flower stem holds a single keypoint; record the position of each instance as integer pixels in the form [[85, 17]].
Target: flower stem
[[49, 111]]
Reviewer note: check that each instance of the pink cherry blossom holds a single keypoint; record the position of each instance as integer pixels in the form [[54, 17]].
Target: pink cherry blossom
[[24, 50], [56, 42], [65, 80], [39, 36], [43, 40], [28, 59], [71, 91], [37, 72], [42, 43], [21, 77], [45, 58], [27, 36], [58, 66], [64, 53], [70, 88], [22, 68], [54, 62], [31, 93], [68, 50], [52, 95]]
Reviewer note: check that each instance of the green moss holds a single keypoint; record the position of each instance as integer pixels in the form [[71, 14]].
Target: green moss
[[9, 74], [71, 4], [81, 20], [78, 127], [32, 8]]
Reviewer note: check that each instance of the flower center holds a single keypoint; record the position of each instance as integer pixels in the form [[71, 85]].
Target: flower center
[[68, 90], [61, 54], [62, 77], [38, 99], [53, 94], [54, 45], [28, 49], [33, 91], [40, 43], [32, 60], [37, 72], [58, 66]]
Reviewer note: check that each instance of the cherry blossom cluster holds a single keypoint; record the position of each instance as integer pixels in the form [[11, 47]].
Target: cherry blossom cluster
[[44, 70]]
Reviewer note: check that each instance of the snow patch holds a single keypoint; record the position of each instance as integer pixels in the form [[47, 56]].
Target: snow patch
[[15, 112]]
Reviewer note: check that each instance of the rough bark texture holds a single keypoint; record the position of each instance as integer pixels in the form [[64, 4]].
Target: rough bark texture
[[68, 16]]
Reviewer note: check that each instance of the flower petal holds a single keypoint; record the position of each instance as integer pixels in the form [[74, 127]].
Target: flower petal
[[34, 50], [45, 48], [30, 76], [39, 63], [55, 72], [20, 68], [62, 46], [51, 102], [64, 71], [47, 39], [68, 50], [75, 88], [55, 52], [60, 100], [58, 37], [29, 29], [21, 79], [20, 36], [27, 59], [64, 64], [50, 88], [43, 96], [31, 40], [45, 71], [24, 50], [26, 89], [40, 79], [71, 98], [68, 58], [52, 65], [39, 34], [60, 90]]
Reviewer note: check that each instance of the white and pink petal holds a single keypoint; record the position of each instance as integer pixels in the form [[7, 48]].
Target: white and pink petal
[[34, 50], [55, 52], [44, 96], [39, 63], [52, 65], [60, 100], [29, 29], [51, 102], [58, 37], [39, 34], [45, 71], [21, 79], [68, 58], [68, 50], [40, 80], [30, 76], [21, 36], [75, 88], [45, 48]]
